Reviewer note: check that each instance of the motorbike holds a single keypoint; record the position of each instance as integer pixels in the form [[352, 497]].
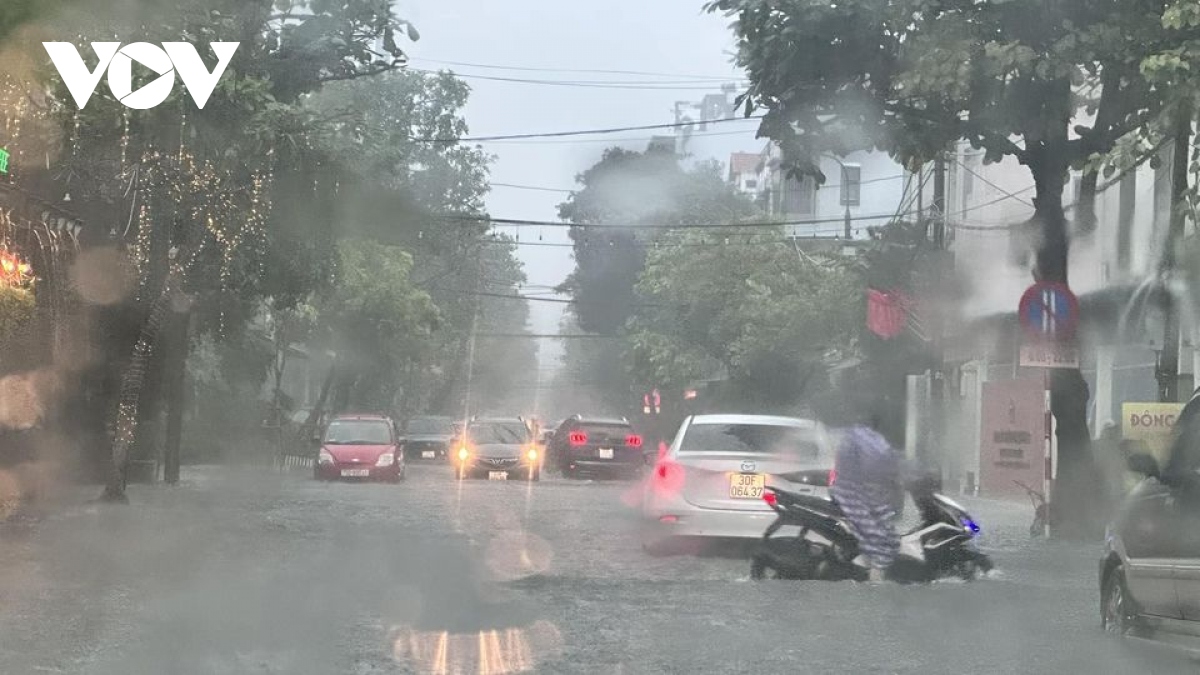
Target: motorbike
[[825, 547]]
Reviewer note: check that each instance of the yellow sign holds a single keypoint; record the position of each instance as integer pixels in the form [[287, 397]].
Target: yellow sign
[[1151, 423]]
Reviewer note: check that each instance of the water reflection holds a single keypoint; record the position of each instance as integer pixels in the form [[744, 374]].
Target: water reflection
[[487, 652]]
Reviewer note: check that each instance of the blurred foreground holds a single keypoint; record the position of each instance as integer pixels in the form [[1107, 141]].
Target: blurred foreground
[[250, 571]]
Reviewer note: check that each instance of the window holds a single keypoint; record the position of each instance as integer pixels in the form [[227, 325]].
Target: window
[[359, 432], [751, 183], [769, 439], [799, 196], [851, 185], [498, 433]]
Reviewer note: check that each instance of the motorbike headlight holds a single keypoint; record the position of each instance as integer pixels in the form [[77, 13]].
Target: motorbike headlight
[[532, 454], [325, 458], [386, 459]]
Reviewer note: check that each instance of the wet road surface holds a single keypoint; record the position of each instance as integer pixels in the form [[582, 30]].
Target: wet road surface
[[253, 571]]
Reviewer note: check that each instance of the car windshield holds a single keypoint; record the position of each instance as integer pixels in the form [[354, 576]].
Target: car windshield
[[768, 439], [960, 236], [498, 433], [358, 432], [430, 426]]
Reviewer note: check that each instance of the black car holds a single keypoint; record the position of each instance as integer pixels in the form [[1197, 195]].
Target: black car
[[596, 446], [1150, 569], [428, 438], [498, 449]]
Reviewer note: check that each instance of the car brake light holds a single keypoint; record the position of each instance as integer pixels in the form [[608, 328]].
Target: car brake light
[[769, 498], [633, 441], [832, 476], [577, 438]]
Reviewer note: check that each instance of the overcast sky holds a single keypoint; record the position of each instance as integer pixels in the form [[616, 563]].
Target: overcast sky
[[667, 36]]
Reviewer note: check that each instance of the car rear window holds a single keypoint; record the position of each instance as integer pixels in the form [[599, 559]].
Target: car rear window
[[431, 426], [500, 433], [768, 439], [600, 431], [359, 432]]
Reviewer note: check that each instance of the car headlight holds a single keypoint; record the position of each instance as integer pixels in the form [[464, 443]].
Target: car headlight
[[463, 454], [325, 458], [386, 459]]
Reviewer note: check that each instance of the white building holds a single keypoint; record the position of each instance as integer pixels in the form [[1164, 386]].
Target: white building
[[861, 190], [1122, 332]]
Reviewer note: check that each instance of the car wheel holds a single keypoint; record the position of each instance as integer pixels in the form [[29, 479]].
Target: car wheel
[[1116, 610]]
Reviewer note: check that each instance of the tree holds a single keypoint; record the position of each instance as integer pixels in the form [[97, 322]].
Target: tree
[[630, 189], [752, 307], [633, 197], [379, 322], [1017, 79], [403, 189], [250, 149]]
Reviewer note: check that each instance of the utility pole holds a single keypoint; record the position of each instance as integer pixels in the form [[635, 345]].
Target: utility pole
[[937, 381], [1168, 362]]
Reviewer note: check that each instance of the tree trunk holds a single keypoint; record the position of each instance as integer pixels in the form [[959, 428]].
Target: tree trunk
[[176, 353], [1078, 507]]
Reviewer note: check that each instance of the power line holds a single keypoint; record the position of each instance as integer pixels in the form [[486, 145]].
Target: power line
[[579, 132], [990, 183], [622, 139], [531, 187], [611, 226], [830, 186], [547, 336], [591, 71], [665, 85]]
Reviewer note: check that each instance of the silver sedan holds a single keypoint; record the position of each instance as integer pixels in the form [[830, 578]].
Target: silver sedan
[[710, 483]]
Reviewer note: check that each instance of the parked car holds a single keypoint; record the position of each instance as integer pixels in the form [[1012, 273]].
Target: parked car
[[711, 480], [597, 446], [360, 447], [498, 449], [427, 438], [1150, 567]]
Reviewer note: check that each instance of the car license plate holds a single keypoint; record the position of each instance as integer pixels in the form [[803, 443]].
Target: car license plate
[[497, 475], [355, 473], [427, 454], [747, 485], [606, 453]]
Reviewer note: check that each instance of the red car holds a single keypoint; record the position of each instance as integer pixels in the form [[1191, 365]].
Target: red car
[[360, 447]]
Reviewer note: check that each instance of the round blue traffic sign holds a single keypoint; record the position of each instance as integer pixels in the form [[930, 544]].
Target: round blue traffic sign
[[1049, 310]]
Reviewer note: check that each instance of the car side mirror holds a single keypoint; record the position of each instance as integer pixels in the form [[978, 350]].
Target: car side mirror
[[1144, 464]]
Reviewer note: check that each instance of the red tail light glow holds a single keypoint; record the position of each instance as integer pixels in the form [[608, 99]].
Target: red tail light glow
[[577, 438], [668, 478], [633, 441], [832, 476], [769, 498]]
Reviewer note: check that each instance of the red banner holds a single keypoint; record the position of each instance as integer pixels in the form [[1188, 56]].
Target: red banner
[[887, 313]]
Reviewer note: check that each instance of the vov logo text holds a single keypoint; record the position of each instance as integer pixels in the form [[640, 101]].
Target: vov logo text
[[117, 61]]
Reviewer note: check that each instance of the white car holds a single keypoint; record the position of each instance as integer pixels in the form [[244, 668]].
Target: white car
[[710, 483]]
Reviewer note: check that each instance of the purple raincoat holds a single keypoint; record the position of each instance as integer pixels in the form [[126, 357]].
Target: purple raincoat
[[868, 489]]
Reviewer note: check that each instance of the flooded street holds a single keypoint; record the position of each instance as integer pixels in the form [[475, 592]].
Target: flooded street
[[250, 571]]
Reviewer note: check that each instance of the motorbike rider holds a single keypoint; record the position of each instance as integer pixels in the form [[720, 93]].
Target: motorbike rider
[[869, 489]]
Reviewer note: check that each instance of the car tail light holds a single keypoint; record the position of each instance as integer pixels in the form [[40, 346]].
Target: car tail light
[[577, 438], [832, 476], [668, 477], [769, 498], [633, 441]]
